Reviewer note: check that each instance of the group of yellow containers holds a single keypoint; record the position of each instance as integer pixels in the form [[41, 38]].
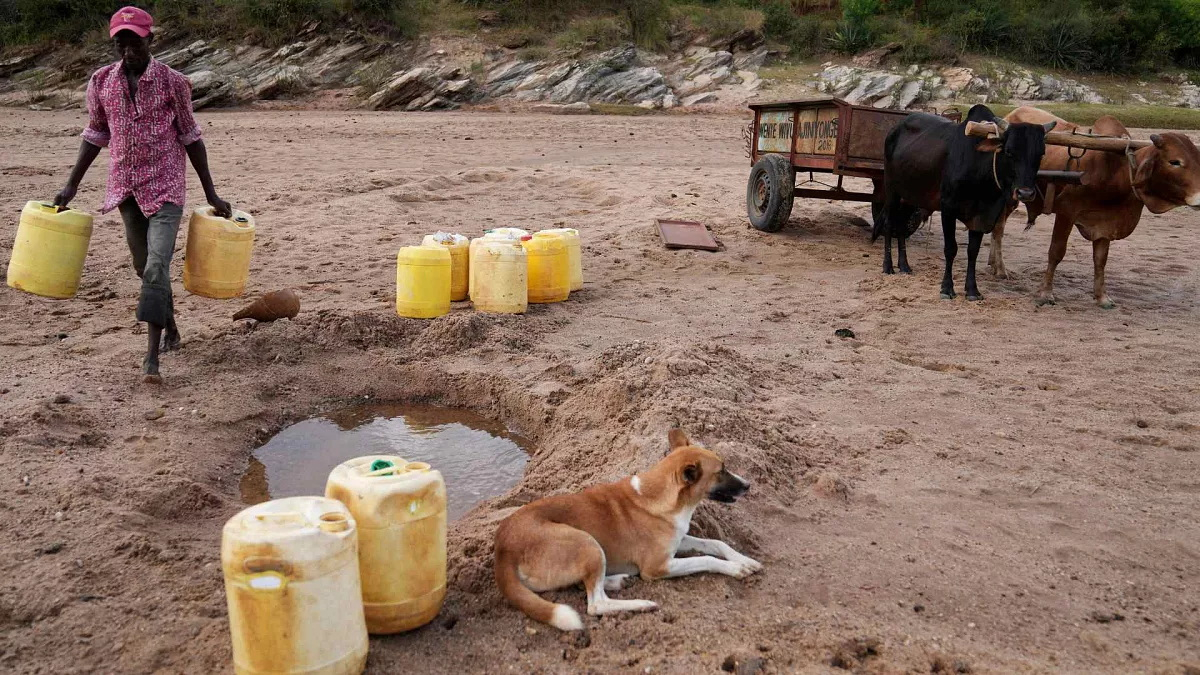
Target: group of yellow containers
[[501, 272], [52, 244], [307, 578]]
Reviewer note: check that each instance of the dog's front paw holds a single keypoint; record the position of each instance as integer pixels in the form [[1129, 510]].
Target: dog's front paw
[[744, 567]]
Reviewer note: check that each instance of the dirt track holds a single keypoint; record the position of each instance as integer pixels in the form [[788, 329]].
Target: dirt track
[[983, 486]]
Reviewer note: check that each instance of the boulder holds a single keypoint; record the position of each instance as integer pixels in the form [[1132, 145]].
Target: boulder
[[560, 109], [746, 39], [612, 77], [838, 80], [1189, 96], [698, 99], [506, 76], [404, 88], [751, 60], [209, 89], [979, 84], [957, 79], [874, 58], [710, 63], [17, 64], [873, 87], [280, 82], [908, 94], [1049, 87], [1022, 85]]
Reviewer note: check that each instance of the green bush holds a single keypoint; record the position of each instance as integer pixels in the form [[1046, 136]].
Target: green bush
[[278, 17], [778, 20], [1061, 42], [593, 33], [918, 44], [1090, 35], [858, 12], [811, 34], [849, 38], [720, 19], [806, 34], [647, 21]]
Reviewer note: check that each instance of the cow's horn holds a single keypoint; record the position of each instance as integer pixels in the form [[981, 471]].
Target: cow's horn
[[1049, 126], [1002, 125]]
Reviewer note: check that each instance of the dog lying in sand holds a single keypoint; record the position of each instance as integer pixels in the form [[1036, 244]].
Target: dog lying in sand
[[606, 533]]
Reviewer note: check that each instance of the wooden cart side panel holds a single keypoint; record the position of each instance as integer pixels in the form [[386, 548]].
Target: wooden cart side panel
[[816, 131], [868, 129], [774, 131], [827, 131], [754, 153], [824, 163]]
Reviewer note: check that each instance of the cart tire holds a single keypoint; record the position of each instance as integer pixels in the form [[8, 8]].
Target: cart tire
[[770, 192]]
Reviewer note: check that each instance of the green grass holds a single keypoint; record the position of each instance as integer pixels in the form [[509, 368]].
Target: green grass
[[1132, 116], [620, 109], [719, 19], [597, 33]]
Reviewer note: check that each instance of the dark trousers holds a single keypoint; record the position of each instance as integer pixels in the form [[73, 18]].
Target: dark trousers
[[152, 244]]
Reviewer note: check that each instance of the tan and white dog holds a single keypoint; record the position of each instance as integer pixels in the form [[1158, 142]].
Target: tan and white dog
[[606, 533]]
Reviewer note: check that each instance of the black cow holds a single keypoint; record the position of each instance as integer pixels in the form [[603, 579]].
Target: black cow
[[930, 164]]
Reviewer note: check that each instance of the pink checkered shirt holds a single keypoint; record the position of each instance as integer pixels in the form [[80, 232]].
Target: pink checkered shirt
[[145, 141]]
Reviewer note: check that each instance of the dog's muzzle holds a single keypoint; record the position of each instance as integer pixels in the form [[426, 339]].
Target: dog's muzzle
[[728, 488]]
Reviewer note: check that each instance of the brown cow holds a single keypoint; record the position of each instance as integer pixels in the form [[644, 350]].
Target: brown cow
[[1108, 205]]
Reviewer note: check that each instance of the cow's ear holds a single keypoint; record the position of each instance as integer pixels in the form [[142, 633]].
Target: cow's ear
[[990, 145], [1141, 175], [1141, 181]]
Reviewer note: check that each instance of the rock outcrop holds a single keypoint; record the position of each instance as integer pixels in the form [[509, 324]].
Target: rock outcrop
[[418, 75], [413, 76], [916, 85]]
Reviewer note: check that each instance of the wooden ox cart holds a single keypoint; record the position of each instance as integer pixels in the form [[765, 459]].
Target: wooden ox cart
[[830, 136]]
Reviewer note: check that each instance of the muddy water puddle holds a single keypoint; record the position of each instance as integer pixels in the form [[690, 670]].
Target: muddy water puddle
[[478, 457]]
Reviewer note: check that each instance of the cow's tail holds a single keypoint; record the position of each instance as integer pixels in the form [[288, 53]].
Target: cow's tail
[[889, 151], [880, 223]]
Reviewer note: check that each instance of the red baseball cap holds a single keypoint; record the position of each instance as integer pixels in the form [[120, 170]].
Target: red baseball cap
[[130, 18]]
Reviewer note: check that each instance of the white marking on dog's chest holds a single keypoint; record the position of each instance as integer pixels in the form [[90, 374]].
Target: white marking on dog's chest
[[683, 522], [636, 484]]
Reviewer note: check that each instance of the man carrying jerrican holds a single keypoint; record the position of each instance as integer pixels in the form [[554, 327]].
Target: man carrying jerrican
[[142, 111]]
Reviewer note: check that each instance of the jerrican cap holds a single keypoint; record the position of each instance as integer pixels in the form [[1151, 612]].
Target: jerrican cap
[[130, 18]]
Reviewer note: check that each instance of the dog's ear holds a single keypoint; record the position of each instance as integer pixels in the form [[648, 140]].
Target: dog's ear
[[678, 439], [691, 474]]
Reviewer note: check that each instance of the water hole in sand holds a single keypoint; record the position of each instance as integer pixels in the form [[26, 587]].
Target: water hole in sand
[[479, 458]]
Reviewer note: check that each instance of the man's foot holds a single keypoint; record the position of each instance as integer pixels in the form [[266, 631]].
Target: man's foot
[[150, 374], [171, 340]]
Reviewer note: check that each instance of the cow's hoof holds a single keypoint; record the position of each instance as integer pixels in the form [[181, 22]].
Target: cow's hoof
[[1043, 300], [888, 270], [1000, 273], [974, 297], [1107, 304], [947, 296], [905, 269]]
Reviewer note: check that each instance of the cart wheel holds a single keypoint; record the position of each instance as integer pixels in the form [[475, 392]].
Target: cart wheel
[[770, 192]]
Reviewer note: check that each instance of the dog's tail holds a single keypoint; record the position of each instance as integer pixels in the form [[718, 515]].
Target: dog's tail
[[562, 617]]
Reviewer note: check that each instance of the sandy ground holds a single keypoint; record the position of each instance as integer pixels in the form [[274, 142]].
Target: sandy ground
[[964, 487]]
